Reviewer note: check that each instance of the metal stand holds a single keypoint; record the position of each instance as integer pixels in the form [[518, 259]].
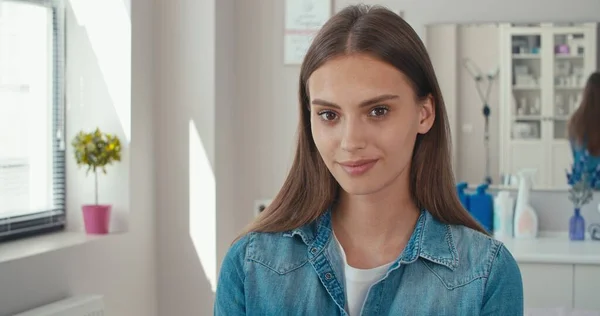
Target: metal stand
[[483, 83]]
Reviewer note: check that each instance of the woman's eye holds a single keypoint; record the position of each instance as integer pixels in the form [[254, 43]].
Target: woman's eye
[[327, 115], [379, 111]]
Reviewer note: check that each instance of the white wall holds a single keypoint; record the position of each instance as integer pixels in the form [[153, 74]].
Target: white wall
[[480, 43], [195, 170], [267, 94], [184, 85], [120, 267], [598, 48], [227, 114], [442, 45]]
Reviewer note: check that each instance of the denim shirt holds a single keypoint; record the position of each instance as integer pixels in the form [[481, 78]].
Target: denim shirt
[[443, 270]]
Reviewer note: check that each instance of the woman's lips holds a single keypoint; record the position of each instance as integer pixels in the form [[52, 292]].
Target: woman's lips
[[358, 167]]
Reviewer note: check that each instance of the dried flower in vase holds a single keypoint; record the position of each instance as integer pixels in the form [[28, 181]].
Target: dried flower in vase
[[582, 181]]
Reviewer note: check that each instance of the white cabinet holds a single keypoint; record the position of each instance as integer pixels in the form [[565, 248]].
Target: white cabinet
[[543, 70], [587, 287], [570, 286], [547, 285], [558, 273]]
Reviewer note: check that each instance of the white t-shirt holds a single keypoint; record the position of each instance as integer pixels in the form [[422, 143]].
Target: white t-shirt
[[358, 282]]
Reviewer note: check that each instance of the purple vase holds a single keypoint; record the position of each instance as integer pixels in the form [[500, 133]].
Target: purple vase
[[577, 226]]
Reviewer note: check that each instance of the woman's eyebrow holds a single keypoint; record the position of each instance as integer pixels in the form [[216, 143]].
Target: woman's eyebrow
[[372, 101]]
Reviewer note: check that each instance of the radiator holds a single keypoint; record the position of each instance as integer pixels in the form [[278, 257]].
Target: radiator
[[89, 305]]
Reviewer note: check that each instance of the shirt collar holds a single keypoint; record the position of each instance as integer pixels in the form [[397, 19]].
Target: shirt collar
[[430, 240]]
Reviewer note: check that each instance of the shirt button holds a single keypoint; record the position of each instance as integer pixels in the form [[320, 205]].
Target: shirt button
[[328, 276], [313, 250]]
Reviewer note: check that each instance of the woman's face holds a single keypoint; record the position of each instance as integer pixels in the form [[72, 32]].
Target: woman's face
[[365, 118]]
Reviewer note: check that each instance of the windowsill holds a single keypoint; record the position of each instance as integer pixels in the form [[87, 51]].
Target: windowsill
[[32, 246]]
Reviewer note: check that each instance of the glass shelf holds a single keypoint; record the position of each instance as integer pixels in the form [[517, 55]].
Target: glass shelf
[[526, 61], [569, 61], [526, 129], [527, 103], [574, 57], [526, 56]]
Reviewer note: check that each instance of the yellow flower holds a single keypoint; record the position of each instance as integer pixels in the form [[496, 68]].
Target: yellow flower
[[96, 149]]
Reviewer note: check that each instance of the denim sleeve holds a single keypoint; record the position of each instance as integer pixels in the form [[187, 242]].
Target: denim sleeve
[[504, 287], [230, 297]]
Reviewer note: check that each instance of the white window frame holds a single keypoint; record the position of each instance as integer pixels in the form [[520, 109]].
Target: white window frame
[[37, 221]]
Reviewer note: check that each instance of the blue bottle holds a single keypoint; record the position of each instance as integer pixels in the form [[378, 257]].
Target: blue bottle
[[464, 198], [481, 207]]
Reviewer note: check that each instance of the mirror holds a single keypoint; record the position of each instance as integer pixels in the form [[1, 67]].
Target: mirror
[[531, 76]]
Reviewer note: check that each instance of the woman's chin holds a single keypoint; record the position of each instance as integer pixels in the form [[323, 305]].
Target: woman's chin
[[359, 187]]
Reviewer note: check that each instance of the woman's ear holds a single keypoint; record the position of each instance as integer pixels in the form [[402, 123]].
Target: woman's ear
[[426, 114]]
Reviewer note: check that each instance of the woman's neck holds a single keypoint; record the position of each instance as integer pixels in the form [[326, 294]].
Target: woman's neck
[[374, 229]]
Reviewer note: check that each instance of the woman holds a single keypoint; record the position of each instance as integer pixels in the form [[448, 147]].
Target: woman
[[584, 130], [368, 221]]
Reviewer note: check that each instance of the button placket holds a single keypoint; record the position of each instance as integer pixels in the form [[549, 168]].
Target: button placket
[[325, 273]]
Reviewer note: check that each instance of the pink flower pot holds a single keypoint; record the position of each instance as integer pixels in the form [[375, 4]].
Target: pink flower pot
[[96, 218]]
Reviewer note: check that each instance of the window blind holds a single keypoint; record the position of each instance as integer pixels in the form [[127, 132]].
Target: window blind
[[32, 117]]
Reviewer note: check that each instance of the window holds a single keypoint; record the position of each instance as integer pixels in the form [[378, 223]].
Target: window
[[32, 148]]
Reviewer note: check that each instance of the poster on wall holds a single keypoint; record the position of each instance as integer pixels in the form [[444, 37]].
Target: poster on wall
[[303, 19]]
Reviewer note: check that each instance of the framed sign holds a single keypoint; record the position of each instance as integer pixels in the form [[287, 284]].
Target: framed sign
[[303, 19]]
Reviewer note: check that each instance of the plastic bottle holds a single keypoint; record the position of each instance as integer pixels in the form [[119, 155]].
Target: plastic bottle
[[503, 215], [481, 207], [464, 198], [526, 220]]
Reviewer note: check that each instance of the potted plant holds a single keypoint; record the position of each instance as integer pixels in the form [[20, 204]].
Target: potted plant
[[582, 182], [95, 151]]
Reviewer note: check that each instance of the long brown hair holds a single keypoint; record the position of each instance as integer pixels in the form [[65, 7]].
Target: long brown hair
[[583, 125], [310, 188]]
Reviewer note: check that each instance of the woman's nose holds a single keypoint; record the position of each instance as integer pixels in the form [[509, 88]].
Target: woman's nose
[[353, 136]]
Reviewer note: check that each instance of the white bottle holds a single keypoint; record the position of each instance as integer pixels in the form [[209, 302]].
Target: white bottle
[[503, 215], [526, 221]]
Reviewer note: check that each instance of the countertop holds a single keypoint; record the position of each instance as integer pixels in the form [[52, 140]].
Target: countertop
[[555, 248]]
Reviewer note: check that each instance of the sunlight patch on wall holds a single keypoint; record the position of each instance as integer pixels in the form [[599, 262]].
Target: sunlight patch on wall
[[202, 195], [108, 28]]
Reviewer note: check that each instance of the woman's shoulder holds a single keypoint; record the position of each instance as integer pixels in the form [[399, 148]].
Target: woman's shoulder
[[473, 237], [246, 245], [469, 253], [477, 249], [278, 251], [476, 256], [494, 263], [483, 257], [237, 252]]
